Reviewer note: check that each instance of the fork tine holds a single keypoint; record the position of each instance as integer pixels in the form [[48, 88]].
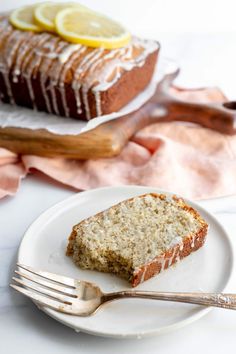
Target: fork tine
[[66, 281], [43, 300], [44, 291], [48, 285]]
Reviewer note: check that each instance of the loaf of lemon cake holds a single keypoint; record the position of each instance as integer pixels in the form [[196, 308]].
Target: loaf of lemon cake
[[46, 73], [138, 238]]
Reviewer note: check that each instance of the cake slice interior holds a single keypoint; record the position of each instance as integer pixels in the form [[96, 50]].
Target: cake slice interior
[[137, 238]]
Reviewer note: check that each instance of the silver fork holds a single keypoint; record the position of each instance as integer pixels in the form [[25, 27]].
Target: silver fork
[[81, 298]]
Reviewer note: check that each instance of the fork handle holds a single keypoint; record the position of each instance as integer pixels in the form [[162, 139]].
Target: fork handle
[[226, 301]]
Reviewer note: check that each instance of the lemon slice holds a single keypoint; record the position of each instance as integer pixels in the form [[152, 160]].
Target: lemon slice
[[23, 19], [45, 13], [91, 29]]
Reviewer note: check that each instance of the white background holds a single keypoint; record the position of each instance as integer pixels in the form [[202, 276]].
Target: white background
[[146, 17], [201, 36]]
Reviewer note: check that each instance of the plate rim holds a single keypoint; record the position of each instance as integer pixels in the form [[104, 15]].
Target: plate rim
[[163, 330]]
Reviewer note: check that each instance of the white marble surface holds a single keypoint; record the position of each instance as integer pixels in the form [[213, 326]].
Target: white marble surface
[[205, 59]]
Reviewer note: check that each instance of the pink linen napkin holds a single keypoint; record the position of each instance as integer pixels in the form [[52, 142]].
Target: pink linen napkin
[[186, 159]]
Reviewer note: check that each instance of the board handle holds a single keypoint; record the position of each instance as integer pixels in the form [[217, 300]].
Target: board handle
[[216, 116], [163, 107]]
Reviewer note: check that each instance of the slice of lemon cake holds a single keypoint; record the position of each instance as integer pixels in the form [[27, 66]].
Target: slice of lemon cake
[[138, 237]]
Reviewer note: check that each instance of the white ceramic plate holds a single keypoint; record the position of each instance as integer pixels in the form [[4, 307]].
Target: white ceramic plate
[[208, 269]]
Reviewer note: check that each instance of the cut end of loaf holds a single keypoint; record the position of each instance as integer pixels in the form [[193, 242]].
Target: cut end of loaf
[[138, 238]]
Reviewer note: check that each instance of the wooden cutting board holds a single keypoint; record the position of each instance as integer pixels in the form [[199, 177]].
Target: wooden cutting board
[[108, 139]]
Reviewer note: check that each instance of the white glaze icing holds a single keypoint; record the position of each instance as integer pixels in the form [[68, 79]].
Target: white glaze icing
[[65, 55], [170, 260], [163, 261], [54, 77], [193, 242], [143, 274], [33, 62], [5, 33], [61, 83], [14, 46], [44, 68], [98, 102], [85, 101], [25, 47], [23, 60]]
